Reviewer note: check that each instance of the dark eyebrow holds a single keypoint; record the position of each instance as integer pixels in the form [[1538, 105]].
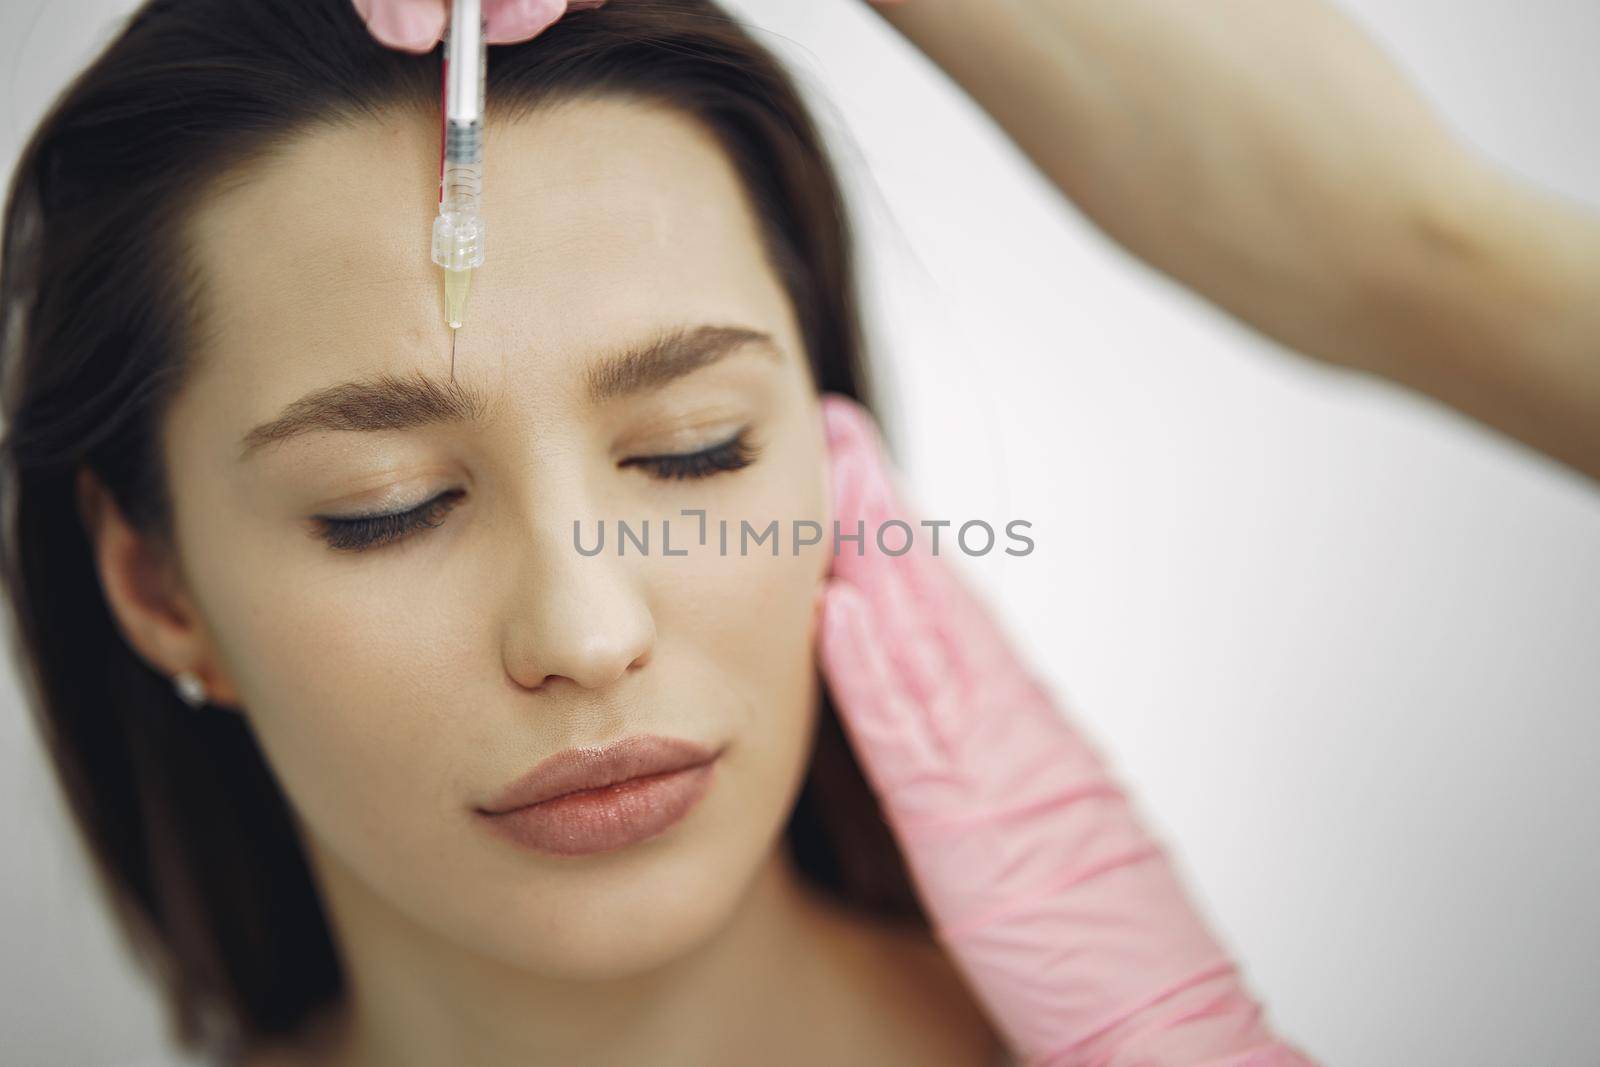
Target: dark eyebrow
[[668, 356], [399, 402]]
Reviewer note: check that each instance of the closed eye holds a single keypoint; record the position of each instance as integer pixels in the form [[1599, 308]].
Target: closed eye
[[732, 454], [360, 533]]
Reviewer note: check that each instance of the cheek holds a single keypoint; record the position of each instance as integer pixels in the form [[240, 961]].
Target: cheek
[[345, 687], [748, 593], [355, 718], [746, 618]]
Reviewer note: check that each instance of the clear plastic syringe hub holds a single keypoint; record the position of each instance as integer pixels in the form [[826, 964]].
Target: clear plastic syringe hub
[[458, 231]]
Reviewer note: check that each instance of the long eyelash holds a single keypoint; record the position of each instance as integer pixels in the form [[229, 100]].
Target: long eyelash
[[731, 455], [373, 531]]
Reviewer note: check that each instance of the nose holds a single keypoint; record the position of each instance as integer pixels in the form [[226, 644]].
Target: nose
[[582, 619]]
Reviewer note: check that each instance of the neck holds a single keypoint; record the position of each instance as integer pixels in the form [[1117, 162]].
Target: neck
[[414, 999]]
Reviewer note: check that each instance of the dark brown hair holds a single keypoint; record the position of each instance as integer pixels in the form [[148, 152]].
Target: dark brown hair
[[185, 821]]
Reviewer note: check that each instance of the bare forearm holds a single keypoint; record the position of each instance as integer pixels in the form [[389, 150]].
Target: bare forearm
[[1500, 316], [1268, 155]]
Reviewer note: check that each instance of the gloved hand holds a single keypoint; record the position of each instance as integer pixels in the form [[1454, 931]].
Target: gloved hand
[[417, 25], [1065, 917]]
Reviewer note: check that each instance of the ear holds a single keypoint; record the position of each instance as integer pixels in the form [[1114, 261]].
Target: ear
[[145, 593]]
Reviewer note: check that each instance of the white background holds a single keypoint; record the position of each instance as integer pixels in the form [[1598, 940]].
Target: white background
[[1343, 644]]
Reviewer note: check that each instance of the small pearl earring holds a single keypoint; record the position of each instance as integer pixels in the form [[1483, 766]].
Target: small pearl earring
[[190, 688]]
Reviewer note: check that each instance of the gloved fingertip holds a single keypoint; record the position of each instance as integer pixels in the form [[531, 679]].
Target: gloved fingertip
[[843, 620], [850, 664], [845, 419], [411, 25], [854, 453], [519, 20]]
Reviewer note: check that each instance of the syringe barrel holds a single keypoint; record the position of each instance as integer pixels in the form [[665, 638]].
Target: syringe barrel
[[461, 187], [458, 231], [463, 141]]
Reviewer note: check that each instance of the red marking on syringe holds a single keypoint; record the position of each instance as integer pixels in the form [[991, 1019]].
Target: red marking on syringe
[[444, 120]]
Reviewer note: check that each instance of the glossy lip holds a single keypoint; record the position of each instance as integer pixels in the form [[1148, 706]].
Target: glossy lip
[[576, 769]]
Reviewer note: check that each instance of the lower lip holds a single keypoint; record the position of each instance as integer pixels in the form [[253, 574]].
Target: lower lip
[[611, 817]]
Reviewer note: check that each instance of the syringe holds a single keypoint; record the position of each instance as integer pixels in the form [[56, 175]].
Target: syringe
[[458, 231]]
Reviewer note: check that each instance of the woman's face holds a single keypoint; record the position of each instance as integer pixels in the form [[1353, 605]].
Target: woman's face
[[397, 687]]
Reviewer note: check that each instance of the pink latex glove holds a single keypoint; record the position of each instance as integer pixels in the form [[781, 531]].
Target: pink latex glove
[[417, 25], [1065, 917]]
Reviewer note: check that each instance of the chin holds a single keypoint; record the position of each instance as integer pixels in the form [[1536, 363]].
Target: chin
[[615, 914]]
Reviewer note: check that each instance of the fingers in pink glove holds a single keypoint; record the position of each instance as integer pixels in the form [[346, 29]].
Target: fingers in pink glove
[[974, 699], [409, 25], [509, 21], [418, 25], [919, 592], [1065, 916]]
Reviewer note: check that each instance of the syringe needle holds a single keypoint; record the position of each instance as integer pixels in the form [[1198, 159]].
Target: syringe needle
[[452, 355]]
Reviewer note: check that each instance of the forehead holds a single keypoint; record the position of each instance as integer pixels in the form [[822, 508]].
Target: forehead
[[606, 218]]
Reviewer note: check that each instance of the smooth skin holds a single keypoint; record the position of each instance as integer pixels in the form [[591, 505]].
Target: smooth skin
[[1268, 155], [1311, 194], [395, 689]]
